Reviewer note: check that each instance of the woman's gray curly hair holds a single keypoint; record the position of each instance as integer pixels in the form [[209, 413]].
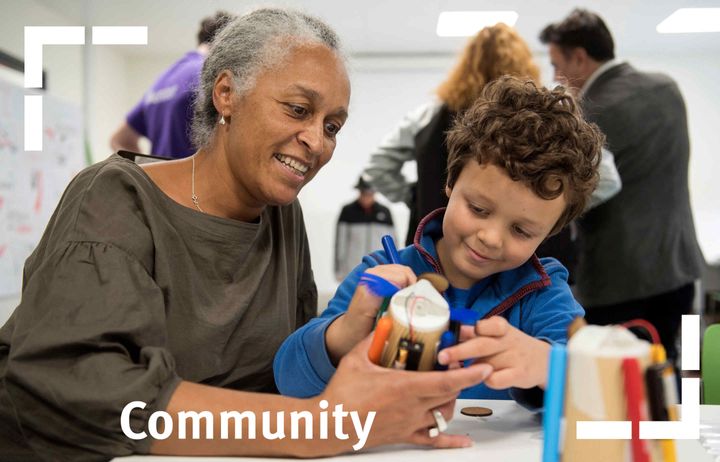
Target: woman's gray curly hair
[[247, 46]]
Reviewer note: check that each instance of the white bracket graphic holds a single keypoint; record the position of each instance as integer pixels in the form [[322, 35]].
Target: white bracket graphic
[[687, 428], [35, 38], [119, 35], [38, 36]]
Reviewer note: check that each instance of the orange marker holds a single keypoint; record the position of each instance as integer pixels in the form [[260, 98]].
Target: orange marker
[[382, 332]]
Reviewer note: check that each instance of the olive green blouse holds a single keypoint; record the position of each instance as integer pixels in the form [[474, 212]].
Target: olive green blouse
[[129, 292]]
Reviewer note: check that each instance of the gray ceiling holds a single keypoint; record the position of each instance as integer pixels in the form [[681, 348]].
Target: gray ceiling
[[395, 26]]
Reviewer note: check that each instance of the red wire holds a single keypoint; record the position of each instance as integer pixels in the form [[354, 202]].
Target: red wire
[[645, 325], [410, 312]]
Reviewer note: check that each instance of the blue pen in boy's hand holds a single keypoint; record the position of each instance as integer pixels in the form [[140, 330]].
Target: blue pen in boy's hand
[[390, 250]]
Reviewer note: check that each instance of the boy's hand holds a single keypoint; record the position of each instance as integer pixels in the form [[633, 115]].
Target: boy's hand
[[365, 304], [347, 330], [518, 360]]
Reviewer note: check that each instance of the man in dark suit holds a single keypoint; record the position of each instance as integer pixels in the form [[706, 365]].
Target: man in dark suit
[[640, 257]]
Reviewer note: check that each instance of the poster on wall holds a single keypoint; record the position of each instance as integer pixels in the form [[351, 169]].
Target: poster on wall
[[31, 183]]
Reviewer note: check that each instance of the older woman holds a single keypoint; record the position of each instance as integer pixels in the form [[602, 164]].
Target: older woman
[[173, 285]]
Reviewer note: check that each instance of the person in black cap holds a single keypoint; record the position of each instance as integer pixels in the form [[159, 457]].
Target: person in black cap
[[361, 225]]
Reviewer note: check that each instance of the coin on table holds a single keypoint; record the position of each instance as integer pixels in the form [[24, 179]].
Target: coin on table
[[476, 411]]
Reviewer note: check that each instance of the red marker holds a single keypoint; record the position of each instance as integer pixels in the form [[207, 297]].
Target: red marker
[[635, 407]]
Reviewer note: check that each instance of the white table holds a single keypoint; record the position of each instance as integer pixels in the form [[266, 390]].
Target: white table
[[709, 431], [510, 434]]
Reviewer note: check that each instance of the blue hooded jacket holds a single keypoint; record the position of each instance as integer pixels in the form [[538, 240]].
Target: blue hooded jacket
[[534, 298]]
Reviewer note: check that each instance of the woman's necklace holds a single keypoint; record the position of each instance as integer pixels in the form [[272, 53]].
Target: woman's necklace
[[194, 197]]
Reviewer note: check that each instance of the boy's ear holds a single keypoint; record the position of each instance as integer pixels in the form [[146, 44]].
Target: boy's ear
[[447, 191]]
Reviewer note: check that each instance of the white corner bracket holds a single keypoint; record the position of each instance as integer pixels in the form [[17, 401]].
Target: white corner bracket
[[688, 427], [36, 37]]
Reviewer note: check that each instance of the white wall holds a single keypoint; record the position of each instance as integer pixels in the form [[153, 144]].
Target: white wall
[[106, 97]]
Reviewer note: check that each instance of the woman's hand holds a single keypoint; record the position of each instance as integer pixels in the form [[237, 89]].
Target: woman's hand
[[403, 400], [518, 360], [347, 330]]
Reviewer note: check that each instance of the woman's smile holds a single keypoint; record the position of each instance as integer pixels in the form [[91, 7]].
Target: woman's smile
[[293, 169]]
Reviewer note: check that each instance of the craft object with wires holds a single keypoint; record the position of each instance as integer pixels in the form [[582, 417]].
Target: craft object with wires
[[419, 317]]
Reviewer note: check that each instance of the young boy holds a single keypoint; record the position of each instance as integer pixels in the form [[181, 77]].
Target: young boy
[[523, 163]]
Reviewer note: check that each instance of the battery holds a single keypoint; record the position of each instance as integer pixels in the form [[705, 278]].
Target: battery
[[402, 354], [415, 350]]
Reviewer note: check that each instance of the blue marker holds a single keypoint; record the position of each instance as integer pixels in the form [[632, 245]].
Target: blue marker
[[390, 249], [389, 245], [554, 400]]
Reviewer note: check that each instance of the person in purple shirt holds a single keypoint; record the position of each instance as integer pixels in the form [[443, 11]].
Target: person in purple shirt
[[164, 113]]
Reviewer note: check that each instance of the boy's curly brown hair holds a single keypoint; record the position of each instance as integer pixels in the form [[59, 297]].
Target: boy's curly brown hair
[[538, 136]]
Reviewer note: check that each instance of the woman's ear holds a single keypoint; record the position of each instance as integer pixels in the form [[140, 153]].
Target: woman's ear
[[448, 191], [223, 92]]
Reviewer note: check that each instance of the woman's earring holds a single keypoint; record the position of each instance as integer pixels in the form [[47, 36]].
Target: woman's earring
[[222, 120]]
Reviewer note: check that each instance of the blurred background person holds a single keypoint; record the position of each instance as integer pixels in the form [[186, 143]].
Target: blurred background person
[[164, 114], [640, 256], [420, 136], [361, 225]]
